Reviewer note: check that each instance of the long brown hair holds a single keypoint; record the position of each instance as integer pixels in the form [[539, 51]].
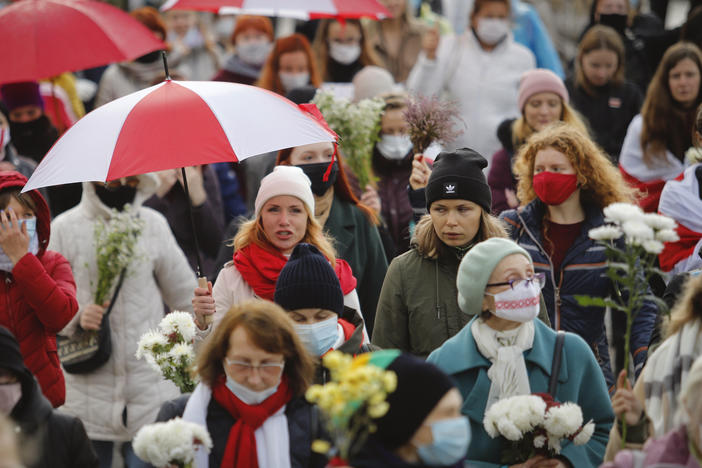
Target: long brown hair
[[251, 232], [428, 244], [269, 78], [321, 46], [269, 328], [600, 37], [665, 124], [600, 181], [687, 308], [342, 188]]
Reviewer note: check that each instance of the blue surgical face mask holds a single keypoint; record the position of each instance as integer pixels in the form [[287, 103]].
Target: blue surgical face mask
[[319, 337], [248, 396], [450, 445], [5, 262]]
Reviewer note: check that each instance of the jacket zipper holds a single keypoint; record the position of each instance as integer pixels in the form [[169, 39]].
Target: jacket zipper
[[556, 287]]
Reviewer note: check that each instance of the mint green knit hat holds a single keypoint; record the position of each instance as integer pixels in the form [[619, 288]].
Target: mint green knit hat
[[477, 266]]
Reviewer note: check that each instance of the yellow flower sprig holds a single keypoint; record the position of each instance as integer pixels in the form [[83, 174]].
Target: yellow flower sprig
[[355, 396]]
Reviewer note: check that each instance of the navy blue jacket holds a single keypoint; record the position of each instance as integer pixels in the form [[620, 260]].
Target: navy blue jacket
[[583, 272]]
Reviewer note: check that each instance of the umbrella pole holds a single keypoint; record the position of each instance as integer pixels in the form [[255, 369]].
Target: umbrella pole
[[165, 67], [201, 280]]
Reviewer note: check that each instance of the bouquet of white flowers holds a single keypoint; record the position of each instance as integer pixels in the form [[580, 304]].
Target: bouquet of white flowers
[[115, 242], [171, 443], [535, 425], [358, 127], [169, 350], [631, 266]]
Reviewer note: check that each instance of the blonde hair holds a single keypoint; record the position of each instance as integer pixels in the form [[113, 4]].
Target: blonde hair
[[428, 244], [599, 180], [687, 308], [521, 130], [251, 232]]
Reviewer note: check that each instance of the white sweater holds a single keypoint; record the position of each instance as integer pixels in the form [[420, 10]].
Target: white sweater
[[484, 84], [159, 273]]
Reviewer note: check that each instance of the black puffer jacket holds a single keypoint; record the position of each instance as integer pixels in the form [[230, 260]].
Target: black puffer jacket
[[57, 439]]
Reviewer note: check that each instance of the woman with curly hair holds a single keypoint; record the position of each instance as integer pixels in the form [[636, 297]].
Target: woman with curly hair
[[565, 181], [291, 64], [656, 141]]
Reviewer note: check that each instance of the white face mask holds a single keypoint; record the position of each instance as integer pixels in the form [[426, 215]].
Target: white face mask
[[345, 54], [291, 81], [253, 53], [520, 304], [248, 396], [10, 395], [492, 30], [394, 146], [318, 337], [5, 262], [4, 137]]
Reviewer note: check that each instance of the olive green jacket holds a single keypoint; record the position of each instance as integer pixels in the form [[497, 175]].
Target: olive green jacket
[[358, 242], [418, 305]]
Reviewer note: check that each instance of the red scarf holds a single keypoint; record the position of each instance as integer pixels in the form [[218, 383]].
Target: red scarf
[[260, 269], [651, 191], [241, 444], [680, 250]]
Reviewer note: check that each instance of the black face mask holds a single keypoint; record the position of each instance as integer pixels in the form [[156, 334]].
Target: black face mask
[[315, 172], [151, 57], [34, 138], [116, 198], [615, 21]]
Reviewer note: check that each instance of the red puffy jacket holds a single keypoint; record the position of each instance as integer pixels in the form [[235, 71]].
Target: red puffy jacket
[[38, 300]]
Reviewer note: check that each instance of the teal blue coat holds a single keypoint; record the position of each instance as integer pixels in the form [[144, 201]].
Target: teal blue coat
[[580, 381]]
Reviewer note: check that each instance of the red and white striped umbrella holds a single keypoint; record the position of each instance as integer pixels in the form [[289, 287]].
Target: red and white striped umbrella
[[176, 124], [301, 9]]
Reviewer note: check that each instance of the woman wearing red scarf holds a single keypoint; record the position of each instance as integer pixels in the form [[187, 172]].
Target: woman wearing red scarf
[[284, 217], [254, 371]]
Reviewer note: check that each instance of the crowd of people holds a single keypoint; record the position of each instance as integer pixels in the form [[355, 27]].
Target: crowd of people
[[470, 262]]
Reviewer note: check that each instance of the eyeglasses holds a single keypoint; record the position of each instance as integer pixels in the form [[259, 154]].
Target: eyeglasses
[[267, 369], [514, 283], [112, 185]]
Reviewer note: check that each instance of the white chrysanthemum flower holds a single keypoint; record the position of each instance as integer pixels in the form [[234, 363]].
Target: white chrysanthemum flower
[[564, 420], [148, 342], [554, 444], [621, 212], [653, 246], [508, 430], [637, 231], [180, 322], [667, 235], [539, 441], [181, 351], [527, 412], [659, 222], [604, 233], [174, 441], [585, 434]]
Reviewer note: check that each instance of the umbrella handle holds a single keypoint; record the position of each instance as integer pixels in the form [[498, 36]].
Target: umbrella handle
[[202, 283]]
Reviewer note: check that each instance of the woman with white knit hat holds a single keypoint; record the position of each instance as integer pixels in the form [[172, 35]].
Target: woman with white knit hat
[[283, 217]]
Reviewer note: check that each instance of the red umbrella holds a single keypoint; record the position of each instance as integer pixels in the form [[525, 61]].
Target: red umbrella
[[43, 38], [302, 9]]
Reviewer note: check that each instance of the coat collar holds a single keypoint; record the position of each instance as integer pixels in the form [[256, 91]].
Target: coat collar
[[463, 345]]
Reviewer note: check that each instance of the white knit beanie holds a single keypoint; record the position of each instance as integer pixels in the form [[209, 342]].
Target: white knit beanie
[[285, 180]]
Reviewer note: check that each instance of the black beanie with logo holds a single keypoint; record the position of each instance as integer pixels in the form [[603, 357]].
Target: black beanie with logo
[[459, 175]]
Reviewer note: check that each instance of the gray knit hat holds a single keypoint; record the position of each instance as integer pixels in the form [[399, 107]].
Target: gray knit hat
[[477, 266]]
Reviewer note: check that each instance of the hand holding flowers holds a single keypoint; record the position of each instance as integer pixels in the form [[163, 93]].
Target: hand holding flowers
[[174, 442]]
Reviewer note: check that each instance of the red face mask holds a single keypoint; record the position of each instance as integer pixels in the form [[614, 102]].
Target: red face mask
[[553, 188]]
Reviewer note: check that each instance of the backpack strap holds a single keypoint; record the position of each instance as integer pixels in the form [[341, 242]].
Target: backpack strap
[[556, 364]]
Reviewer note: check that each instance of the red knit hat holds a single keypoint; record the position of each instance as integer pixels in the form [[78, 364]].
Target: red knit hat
[[540, 81]]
